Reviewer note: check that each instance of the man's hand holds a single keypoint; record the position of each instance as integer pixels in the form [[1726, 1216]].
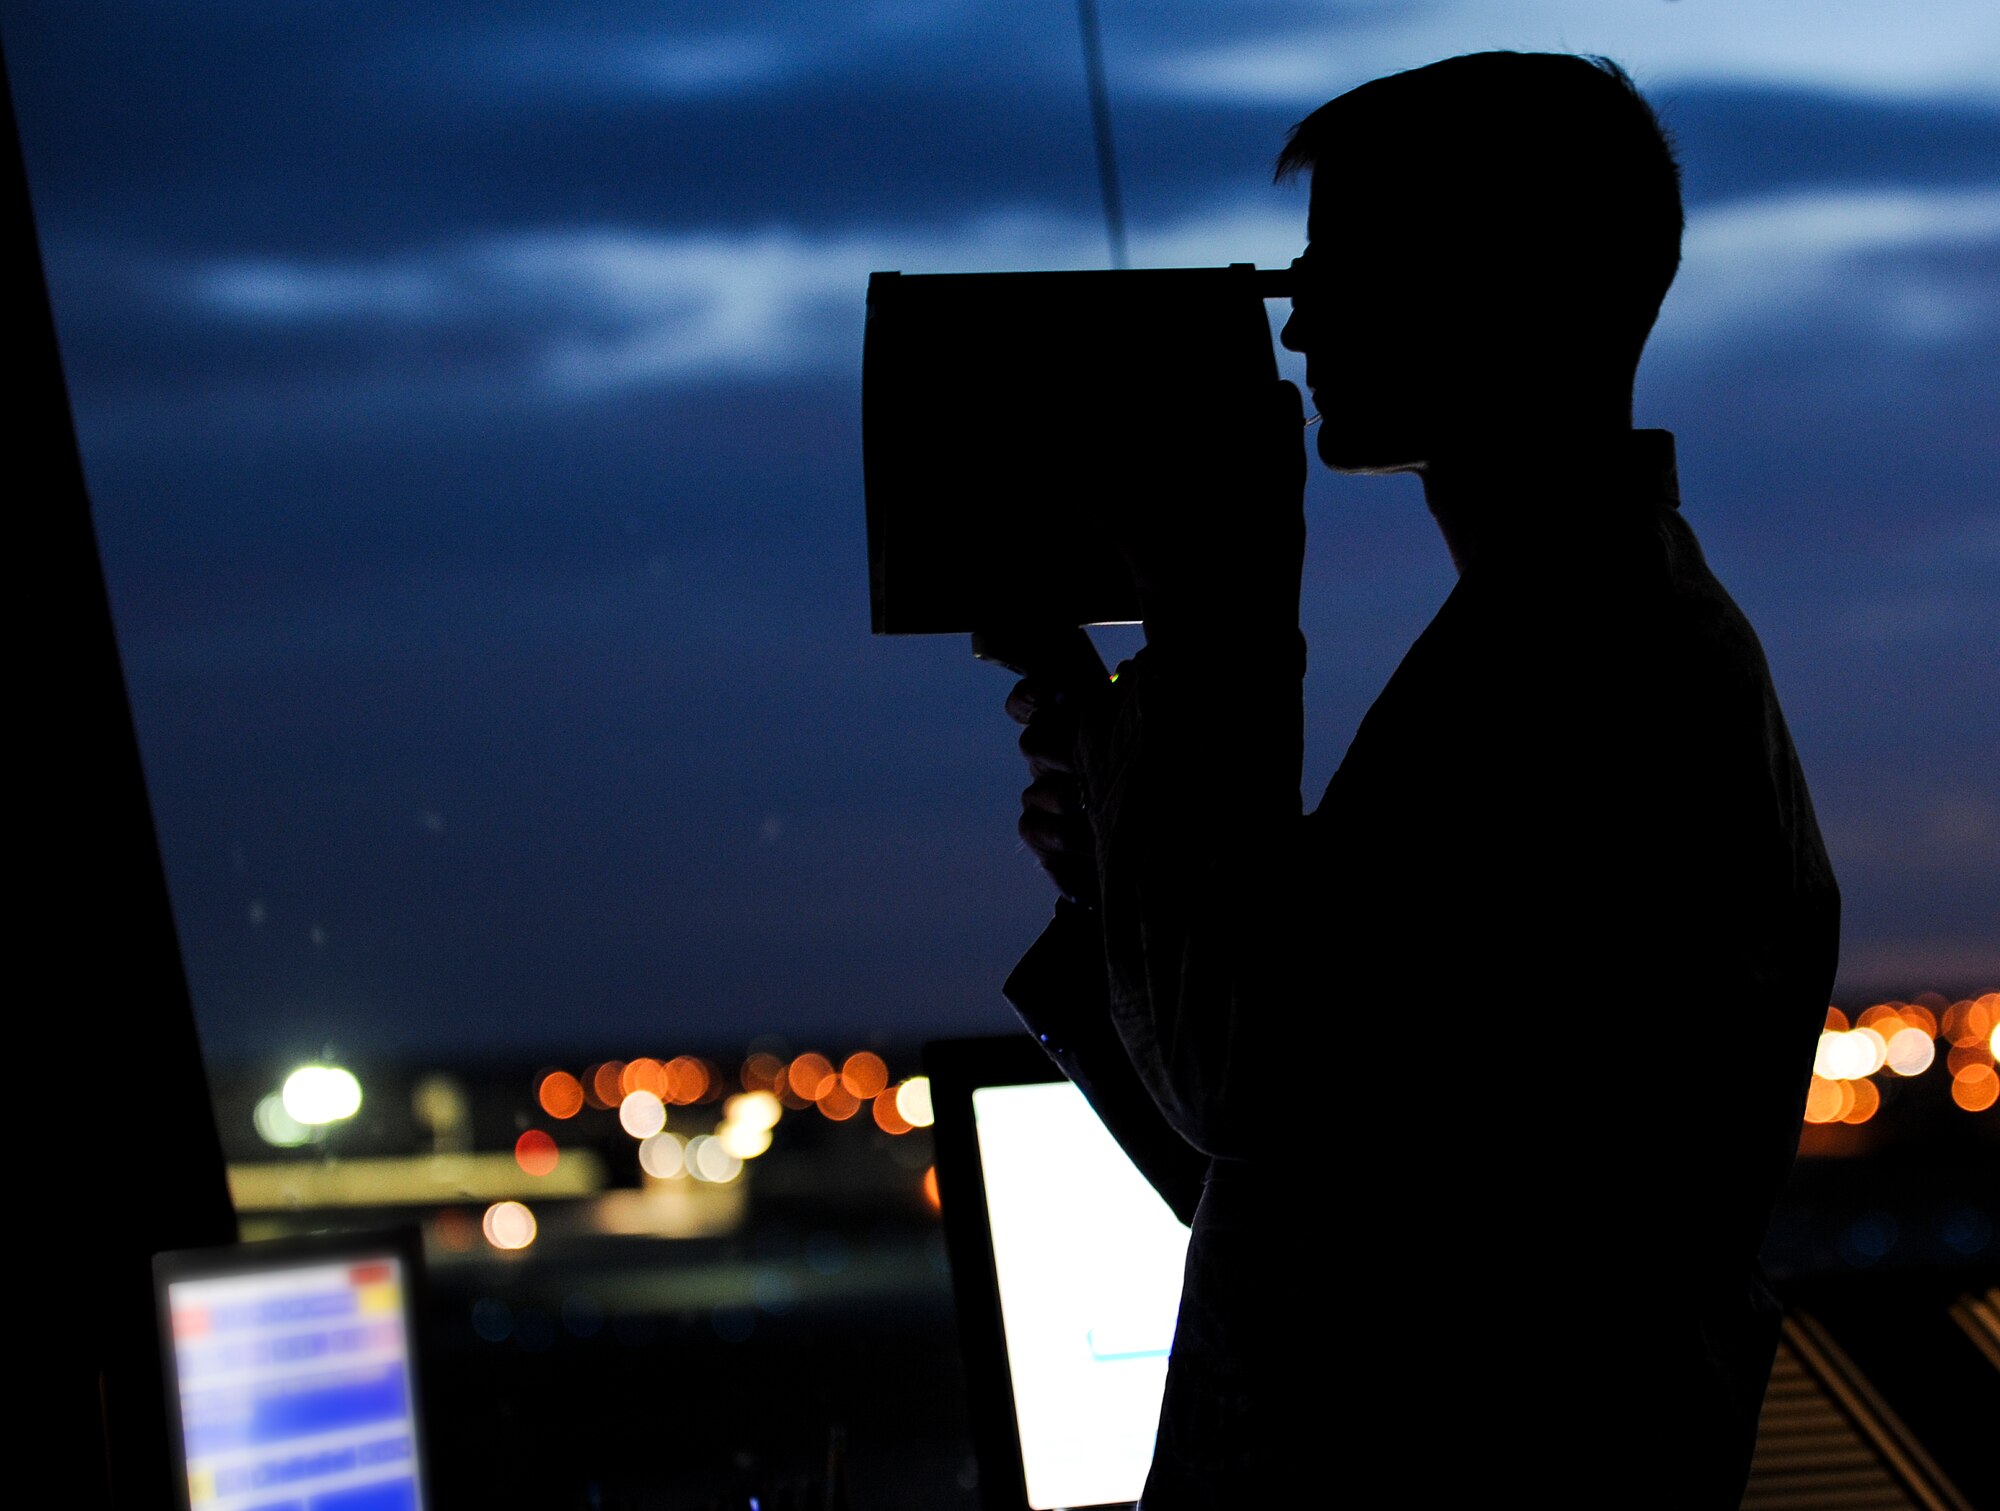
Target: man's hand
[[1055, 825]]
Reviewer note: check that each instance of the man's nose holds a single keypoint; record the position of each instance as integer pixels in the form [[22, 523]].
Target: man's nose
[[1292, 337]]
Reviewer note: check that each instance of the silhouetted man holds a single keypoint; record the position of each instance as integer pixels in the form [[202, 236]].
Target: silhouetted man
[[1478, 1081]]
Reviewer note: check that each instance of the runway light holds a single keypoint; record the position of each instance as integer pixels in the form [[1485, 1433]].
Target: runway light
[[536, 1153], [913, 1101], [509, 1225], [642, 1114], [317, 1094], [278, 1127]]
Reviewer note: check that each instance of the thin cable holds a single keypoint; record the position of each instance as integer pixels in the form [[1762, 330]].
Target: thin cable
[[1100, 121]]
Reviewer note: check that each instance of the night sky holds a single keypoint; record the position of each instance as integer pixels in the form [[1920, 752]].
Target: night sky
[[470, 400]]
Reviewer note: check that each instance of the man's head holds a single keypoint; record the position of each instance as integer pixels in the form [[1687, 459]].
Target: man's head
[[1490, 239]]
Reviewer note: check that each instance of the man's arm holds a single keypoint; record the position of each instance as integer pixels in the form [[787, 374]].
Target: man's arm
[[1186, 772]]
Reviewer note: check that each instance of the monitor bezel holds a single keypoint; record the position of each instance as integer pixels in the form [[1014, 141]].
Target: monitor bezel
[[297, 1251]]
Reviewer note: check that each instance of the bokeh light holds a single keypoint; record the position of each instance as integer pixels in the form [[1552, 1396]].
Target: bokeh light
[[1975, 1088], [561, 1094], [509, 1225], [931, 1188], [708, 1159], [642, 1114], [837, 1102], [603, 1084], [278, 1127], [753, 1109], [887, 1118], [1827, 1101], [663, 1156], [1911, 1051], [744, 1140], [864, 1074], [536, 1153], [316, 1094], [688, 1080], [810, 1076], [913, 1101], [643, 1074], [1865, 1102], [1836, 1021], [761, 1072]]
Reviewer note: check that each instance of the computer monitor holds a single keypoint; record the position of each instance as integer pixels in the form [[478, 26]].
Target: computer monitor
[[1066, 1268], [292, 1379]]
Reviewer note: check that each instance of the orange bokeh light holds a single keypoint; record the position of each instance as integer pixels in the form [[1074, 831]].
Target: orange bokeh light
[[1865, 1102], [643, 1074], [864, 1074], [810, 1075], [837, 1102], [1873, 1017], [1836, 1021], [1967, 1056], [536, 1153], [887, 1118], [761, 1072], [1828, 1101], [604, 1086], [454, 1230], [561, 1094], [930, 1187], [1976, 1088], [687, 1080], [1918, 1016]]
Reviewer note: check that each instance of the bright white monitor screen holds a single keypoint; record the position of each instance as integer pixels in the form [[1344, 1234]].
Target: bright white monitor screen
[[1089, 1264], [295, 1389]]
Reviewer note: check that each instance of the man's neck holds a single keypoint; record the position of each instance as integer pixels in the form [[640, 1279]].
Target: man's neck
[[1479, 493]]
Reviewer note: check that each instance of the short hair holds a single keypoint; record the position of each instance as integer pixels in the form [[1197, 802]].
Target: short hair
[[1556, 158]]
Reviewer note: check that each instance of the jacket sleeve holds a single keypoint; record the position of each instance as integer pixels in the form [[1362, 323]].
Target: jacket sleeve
[[1191, 768], [1059, 991]]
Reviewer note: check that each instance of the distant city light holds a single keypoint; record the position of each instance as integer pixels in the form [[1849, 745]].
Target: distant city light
[[753, 1109], [663, 1156], [278, 1127], [536, 1153], [688, 1080], [913, 1101], [643, 1074], [864, 1074], [561, 1094], [743, 1140], [509, 1225], [1975, 1088], [642, 1114], [709, 1160], [887, 1118], [317, 1094], [1911, 1051], [810, 1076]]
